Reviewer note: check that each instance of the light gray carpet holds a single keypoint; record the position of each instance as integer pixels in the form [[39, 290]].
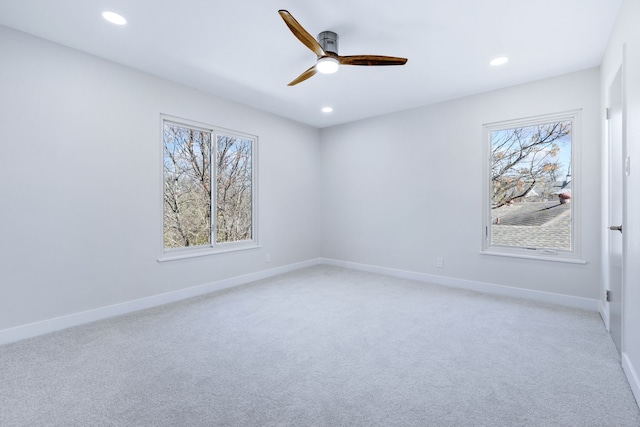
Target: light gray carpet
[[324, 347]]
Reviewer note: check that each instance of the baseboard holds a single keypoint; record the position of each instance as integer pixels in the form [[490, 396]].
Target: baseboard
[[58, 323], [632, 377], [564, 300]]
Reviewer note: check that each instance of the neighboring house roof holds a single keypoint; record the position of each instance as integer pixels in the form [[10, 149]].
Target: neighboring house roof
[[557, 187]]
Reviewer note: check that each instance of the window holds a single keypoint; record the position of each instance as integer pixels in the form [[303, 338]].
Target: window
[[209, 186], [531, 198]]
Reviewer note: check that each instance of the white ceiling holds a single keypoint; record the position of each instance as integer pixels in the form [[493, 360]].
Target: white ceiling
[[242, 50]]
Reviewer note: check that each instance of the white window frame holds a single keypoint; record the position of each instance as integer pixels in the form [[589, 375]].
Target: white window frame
[[547, 254], [169, 254]]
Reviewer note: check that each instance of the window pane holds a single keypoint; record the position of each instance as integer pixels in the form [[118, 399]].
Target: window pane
[[234, 189], [531, 186], [187, 186]]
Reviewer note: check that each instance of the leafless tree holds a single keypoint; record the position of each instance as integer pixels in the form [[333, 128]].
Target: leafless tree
[[234, 189], [187, 186], [523, 158]]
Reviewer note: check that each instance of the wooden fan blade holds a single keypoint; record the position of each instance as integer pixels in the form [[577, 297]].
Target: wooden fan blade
[[304, 76], [307, 39], [371, 60]]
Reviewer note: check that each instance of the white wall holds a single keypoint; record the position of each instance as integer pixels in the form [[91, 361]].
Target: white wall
[[626, 37], [402, 189], [82, 227], [81, 194]]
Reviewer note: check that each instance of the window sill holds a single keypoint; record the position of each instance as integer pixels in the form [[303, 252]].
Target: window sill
[[538, 255], [196, 253]]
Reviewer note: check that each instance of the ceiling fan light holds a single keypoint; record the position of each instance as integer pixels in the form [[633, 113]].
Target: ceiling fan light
[[327, 65]]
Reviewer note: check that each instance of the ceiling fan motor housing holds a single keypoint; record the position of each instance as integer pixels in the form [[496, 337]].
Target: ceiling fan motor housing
[[328, 41]]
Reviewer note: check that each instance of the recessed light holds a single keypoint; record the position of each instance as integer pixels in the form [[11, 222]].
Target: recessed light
[[114, 18], [499, 61], [327, 109]]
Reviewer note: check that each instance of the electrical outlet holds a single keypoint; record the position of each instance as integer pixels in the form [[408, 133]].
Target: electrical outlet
[[267, 258], [440, 262]]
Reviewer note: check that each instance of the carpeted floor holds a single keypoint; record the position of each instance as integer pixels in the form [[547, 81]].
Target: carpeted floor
[[324, 346]]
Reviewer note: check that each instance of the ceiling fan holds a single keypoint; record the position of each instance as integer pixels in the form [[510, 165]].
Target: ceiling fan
[[326, 48]]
